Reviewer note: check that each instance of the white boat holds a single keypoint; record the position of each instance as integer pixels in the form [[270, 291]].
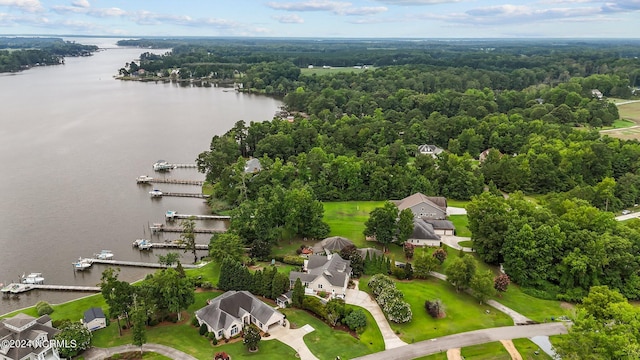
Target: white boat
[[145, 245], [162, 165], [155, 193], [137, 242], [33, 278], [155, 227], [82, 264], [15, 288], [105, 255], [170, 215], [143, 179]]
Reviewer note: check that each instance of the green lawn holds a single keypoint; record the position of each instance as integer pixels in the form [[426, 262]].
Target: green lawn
[[210, 272], [528, 348], [488, 351], [371, 336], [71, 310], [532, 307], [457, 203], [326, 343], [463, 313], [461, 222], [468, 244], [438, 356], [347, 218], [622, 123]]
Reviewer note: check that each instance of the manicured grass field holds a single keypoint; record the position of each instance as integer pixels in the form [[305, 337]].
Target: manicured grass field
[[347, 218], [438, 356], [532, 307], [622, 123], [468, 244], [463, 312], [371, 336], [457, 203], [210, 272], [461, 222], [527, 349], [488, 351], [71, 310], [326, 343]]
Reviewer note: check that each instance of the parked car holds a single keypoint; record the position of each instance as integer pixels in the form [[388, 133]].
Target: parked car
[[625, 212]]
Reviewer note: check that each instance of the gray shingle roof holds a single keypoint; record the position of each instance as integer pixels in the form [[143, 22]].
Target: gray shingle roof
[[334, 244], [417, 198], [231, 306], [335, 270], [440, 224], [423, 231], [38, 328], [92, 314]]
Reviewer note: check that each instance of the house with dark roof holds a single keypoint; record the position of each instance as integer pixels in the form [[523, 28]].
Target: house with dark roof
[[285, 299], [226, 315], [441, 227], [252, 166], [432, 150], [94, 319], [331, 245], [329, 274], [33, 333], [423, 234], [422, 206]]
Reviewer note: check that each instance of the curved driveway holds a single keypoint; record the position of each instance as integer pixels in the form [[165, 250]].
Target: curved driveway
[[433, 346], [101, 353]]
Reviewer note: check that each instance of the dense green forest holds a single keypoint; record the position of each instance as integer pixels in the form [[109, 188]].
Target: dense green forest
[[21, 53], [355, 136]]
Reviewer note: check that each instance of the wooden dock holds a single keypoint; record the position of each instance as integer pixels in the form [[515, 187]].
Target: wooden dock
[[191, 195], [28, 287], [139, 264], [197, 217], [171, 245], [176, 181], [184, 166], [197, 231]]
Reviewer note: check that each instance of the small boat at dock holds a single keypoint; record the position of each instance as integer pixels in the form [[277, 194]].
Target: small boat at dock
[[82, 264], [104, 255], [33, 278], [162, 165], [142, 244], [170, 215], [143, 179], [155, 193], [15, 288]]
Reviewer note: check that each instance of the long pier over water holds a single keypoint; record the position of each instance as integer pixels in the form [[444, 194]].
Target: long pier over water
[[191, 195], [139, 264], [175, 181]]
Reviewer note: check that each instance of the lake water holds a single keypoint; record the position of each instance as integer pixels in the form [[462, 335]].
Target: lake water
[[72, 142]]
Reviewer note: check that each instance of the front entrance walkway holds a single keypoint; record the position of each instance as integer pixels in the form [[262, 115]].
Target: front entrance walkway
[[103, 353], [293, 338], [362, 299]]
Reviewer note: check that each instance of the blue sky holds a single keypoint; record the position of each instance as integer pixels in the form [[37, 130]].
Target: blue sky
[[325, 18]]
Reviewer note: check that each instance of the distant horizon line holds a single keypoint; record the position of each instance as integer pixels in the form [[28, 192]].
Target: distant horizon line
[[133, 37]]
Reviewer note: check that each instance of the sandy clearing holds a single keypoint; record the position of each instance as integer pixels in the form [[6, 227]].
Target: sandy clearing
[[508, 344]]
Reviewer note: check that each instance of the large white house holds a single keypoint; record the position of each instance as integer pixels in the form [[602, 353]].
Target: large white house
[[226, 315], [328, 274], [24, 327]]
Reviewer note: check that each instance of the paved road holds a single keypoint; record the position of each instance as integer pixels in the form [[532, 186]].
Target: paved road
[[100, 353], [470, 338], [456, 211], [633, 215]]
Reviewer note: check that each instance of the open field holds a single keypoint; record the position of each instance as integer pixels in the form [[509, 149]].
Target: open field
[[630, 116], [461, 222], [333, 70], [536, 309], [347, 218]]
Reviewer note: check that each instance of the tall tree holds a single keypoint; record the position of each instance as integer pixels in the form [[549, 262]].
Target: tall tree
[[117, 294], [382, 223], [482, 285], [251, 337], [188, 237], [226, 245], [405, 225], [461, 271], [298, 294], [139, 325]]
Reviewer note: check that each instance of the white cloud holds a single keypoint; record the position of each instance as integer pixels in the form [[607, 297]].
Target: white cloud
[[81, 3], [336, 7], [31, 6], [289, 19], [417, 2], [95, 12]]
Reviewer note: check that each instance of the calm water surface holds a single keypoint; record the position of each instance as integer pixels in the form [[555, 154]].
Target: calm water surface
[[72, 142]]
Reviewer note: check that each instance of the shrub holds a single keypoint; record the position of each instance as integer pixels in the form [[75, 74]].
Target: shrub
[[434, 308], [203, 329], [356, 320], [379, 282], [501, 282], [399, 273], [194, 321], [293, 260], [43, 308], [214, 341], [440, 254], [221, 356], [251, 337], [314, 305], [207, 285], [322, 294], [389, 294], [409, 248], [398, 311], [211, 335]]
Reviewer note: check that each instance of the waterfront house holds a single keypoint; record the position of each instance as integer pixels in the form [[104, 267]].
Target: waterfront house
[[226, 315], [24, 327]]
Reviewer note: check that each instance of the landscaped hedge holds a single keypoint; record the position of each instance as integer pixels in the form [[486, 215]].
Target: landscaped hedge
[[314, 305], [390, 299]]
